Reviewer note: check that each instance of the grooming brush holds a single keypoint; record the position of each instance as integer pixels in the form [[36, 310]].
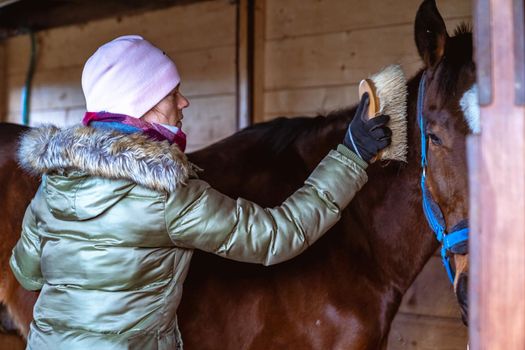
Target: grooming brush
[[388, 95]]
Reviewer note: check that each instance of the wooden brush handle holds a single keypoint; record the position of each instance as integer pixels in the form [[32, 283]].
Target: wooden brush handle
[[366, 85]]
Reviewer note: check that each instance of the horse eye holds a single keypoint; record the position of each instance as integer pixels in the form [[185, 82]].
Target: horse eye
[[434, 139]]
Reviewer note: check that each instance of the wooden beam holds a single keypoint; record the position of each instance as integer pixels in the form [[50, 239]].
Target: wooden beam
[[243, 64], [3, 82], [498, 316], [41, 15], [250, 61], [258, 37], [410, 331], [475, 287], [190, 29], [293, 18]]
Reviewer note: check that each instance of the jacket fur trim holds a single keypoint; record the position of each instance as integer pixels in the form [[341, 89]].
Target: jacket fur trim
[[105, 153]]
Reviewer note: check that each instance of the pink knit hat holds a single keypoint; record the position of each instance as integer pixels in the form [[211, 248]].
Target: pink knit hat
[[127, 75]]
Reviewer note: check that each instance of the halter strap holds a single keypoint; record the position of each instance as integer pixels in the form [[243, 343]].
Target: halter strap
[[433, 213]]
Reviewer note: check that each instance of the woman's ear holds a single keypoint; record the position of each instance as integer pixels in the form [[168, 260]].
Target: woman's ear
[[430, 33]]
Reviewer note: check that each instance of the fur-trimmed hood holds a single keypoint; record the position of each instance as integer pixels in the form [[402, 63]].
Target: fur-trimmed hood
[[105, 153]]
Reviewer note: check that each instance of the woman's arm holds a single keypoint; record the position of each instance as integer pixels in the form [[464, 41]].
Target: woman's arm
[[197, 216]]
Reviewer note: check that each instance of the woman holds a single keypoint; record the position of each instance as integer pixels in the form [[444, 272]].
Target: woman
[[109, 236]]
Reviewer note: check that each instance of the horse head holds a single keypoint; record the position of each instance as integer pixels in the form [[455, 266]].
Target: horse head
[[450, 112]]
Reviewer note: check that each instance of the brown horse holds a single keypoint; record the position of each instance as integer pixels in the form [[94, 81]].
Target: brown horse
[[16, 191], [345, 290]]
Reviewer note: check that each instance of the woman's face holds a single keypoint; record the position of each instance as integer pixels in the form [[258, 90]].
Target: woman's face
[[169, 109]]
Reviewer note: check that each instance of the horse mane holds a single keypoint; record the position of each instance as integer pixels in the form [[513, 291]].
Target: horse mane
[[463, 28], [278, 134]]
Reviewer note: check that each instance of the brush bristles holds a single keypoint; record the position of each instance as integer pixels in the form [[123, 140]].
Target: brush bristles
[[391, 89]]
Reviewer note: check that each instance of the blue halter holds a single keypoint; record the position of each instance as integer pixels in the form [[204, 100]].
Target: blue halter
[[431, 209]]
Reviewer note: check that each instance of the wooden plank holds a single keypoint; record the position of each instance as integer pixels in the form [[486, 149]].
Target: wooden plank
[[51, 89], [501, 306], [335, 59], [308, 101], [13, 117], [205, 72], [243, 105], [410, 332], [431, 294], [482, 49], [52, 14], [258, 61], [56, 117], [287, 18], [176, 29], [74, 115], [250, 62], [338, 58], [475, 287], [519, 51], [3, 83], [18, 50]]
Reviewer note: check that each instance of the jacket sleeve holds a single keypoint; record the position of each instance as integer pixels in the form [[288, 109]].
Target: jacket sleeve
[[199, 217], [25, 259]]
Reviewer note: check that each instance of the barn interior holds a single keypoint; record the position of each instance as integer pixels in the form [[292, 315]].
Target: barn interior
[[242, 62]]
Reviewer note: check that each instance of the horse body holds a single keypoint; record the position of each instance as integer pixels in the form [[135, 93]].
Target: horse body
[[16, 192]]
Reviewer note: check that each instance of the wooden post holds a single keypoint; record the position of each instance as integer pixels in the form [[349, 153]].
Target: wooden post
[[259, 37], [250, 62], [474, 161], [243, 64], [3, 83], [497, 319]]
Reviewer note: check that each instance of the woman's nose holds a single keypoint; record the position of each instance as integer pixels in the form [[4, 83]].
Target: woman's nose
[[182, 102]]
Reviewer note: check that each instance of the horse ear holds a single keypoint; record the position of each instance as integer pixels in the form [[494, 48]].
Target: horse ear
[[431, 33]]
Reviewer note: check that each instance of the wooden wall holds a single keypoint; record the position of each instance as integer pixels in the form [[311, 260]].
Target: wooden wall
[[318, 50], [199, 37], [315, 52]]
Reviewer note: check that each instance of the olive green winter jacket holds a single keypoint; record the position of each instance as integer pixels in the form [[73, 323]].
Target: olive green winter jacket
[[108, 237]]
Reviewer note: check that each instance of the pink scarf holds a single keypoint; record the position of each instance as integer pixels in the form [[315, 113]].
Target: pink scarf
[[129, 124]]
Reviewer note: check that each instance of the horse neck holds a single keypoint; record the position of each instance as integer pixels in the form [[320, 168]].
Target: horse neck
[[385, 219]]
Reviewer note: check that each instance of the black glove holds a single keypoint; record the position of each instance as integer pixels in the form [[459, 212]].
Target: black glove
[[367, 137]]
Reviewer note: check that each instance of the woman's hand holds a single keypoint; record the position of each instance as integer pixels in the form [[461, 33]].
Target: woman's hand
[[366, 137]]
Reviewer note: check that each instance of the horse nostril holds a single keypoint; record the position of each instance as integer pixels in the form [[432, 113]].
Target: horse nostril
[[462, 296]]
